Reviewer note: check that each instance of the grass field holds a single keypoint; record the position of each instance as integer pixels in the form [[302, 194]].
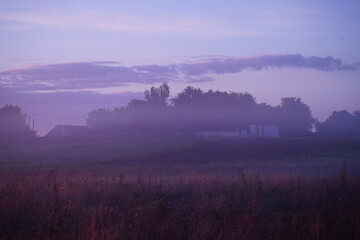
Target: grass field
[[181, 188], [172, 156]]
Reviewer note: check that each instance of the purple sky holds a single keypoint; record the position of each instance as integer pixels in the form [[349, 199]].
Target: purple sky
[[61, 59]]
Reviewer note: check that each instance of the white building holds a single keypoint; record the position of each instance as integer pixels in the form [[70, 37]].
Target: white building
[[217, 133], [261, 130]]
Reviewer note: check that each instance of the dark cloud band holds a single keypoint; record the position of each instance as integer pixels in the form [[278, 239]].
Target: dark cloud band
[[87, 75]]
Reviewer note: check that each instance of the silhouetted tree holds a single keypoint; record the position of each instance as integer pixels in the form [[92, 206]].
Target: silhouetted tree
[[296, 118], [158, 95], [212, 110], [265, 114], [193, 109], [101, 118], [13, 123], [190, 97], [340, 123], [139, 115], [137, 105]]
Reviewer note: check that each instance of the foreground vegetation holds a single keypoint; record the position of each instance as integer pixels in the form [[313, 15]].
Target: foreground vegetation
[[45, 205], [181, 188]]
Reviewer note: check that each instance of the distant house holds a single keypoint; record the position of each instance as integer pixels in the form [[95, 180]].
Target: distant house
[[261, 130], [68, 131]]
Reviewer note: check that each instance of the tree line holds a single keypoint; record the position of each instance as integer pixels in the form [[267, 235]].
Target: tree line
[[194, 109], [340, 123]]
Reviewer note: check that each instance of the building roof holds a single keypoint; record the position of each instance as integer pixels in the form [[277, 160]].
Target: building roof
[[72, 130]]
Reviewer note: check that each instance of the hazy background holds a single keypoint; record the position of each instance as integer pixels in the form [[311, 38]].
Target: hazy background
[[61, 60]]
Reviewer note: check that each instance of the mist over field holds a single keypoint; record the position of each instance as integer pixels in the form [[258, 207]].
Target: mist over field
[[179, 120]]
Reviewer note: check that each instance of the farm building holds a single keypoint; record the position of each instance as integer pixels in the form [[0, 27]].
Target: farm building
[[216, 133], [68, 131], [250, 131], [260, 130], [83, 132]]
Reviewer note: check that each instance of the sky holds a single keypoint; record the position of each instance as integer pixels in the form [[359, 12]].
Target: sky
[[59, 60]]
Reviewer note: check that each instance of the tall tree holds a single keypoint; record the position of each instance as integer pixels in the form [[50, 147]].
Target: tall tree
[[101, 118], [189, 97], [296, 117], [13, 123], [214, 110], [158, 95]]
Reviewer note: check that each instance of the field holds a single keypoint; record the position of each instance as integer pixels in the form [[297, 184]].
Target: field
[[181, 188], [178, 156]]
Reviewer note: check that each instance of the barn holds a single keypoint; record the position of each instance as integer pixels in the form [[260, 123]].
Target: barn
[[68, 131]]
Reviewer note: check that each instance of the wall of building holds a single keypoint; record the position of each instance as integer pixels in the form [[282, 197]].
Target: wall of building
[[262, 131], [271, 131], [217, 133]]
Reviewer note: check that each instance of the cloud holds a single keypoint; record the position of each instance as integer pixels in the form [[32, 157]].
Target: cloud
[[116, 22], [236, 65], [102, 74]]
